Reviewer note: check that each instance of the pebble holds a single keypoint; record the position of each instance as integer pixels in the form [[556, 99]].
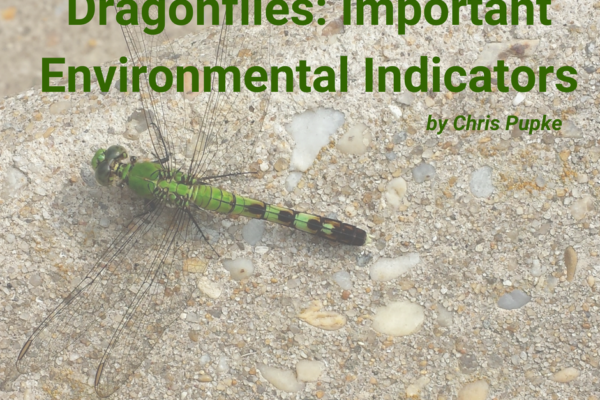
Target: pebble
[[309, 371], [513, 300], [395, 191], [222, 365], [386, 269], [444, 317], [209, 288], [253, 231], [59, 107], [204, 359], [281, 164], [413, 390], [399, 318], [355, 141], [327, 320], [570, 259], [570, 130], [13, 182], [581, 207], [518, 99], [540, 181], [536, 269], [343, 279], [566, 375], [239, 269], [406, 98], [195, 265], [396, 111], [477, 390], [35, 280], [401, 137], [481, 182], [423, 172], [282, 379], [311, 131]]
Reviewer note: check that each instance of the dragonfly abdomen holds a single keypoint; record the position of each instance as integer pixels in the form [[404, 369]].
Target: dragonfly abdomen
[[215, 199]]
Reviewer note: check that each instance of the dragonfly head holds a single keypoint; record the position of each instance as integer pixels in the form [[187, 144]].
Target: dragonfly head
[[105, 163]]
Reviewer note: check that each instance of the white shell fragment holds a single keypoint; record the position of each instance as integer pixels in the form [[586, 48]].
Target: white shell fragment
[[209, 288], [481, 182], [513, 300], [566, 375], [395, 191], [355, 141], [399, 319], [282, 379], [239, 269], [309, 371], [477, 390], [327, 320], [311, 131], [386, 269]]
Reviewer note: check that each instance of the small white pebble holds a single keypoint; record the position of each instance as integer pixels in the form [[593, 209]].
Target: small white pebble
[[481, 184], [282, 379], [356, 141], [399, 319], [239, 269], [343, 279], [209, 288], [222, 365], [477, 390], [309, 371], [513, 300], [395, 191], [386, 269], [518, 99], [566, 375]]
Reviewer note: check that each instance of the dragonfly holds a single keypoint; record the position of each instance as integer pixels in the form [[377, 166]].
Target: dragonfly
[[139, 286]]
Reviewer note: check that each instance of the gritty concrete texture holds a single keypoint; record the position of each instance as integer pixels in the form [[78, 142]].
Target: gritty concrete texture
[[55, 222]]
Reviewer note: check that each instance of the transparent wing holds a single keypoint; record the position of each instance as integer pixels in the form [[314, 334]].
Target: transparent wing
[[92, 300], [160, 293], [224, 140], [123, 305], [209, 133]]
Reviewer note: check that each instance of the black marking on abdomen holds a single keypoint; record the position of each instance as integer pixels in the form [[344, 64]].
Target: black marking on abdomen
[[258, 209], [286, 217]]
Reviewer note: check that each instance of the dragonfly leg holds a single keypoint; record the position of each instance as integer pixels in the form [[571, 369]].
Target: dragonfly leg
[[200, 230], [164, 145], [226, 175]]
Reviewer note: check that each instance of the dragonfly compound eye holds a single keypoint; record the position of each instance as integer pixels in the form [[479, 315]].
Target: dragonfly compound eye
[[103, 163]]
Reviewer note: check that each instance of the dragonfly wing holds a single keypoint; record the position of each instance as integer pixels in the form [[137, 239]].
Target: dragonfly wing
[[88, 307], [150, 51], [210, 126], [225, 131], [161, 292]]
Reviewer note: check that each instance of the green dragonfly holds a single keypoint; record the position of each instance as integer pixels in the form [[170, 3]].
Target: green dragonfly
[[139, 286]]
